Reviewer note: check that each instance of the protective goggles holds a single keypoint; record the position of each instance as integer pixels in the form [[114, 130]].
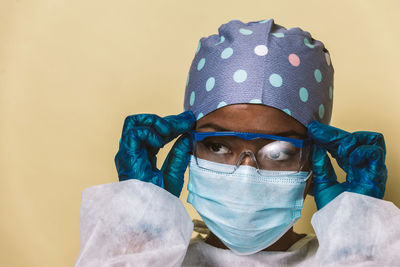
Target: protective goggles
[[268, 152]]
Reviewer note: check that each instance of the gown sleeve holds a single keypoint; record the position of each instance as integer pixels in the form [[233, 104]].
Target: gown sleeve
[[132, 223], [357, 230]]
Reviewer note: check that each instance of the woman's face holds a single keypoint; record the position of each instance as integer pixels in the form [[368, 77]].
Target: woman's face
[[254, 119]]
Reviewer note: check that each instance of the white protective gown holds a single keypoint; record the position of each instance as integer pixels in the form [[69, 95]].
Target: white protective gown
[[134, 223]]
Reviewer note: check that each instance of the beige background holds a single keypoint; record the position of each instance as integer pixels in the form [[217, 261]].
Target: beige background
[[71, 71]]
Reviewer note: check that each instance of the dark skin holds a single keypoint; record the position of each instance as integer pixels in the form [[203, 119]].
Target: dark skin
[[255, 118]]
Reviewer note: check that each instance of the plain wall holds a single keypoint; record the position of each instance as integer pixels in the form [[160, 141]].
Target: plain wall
[[71, 71]]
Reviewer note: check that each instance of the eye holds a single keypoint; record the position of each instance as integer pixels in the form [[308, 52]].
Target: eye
[[278, 151], [217, 148]]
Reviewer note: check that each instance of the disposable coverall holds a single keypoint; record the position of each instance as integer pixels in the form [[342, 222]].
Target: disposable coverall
[[135, 223]]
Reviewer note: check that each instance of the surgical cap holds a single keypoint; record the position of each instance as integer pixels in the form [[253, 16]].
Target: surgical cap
[[261, 62]]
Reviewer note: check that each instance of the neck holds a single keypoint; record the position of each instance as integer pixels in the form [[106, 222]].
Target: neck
[[283, 244]]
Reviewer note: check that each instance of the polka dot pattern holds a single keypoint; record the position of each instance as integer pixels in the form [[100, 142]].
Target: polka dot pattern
[[221, 40], [292, 73], [255, 101], [210, 84], [303, 94], [198, 47], [245, 31], [321, 111], [221, 104], [287, 111], [201, 64], [240, 76], [192, 97], [227, 53], [307, 43], [261, 50], [275, 80], [279, 34], [317, 75], [328, 59], [294, 60]]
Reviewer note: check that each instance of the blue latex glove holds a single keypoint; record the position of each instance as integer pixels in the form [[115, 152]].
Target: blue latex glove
[[142, 137], [360, 154]]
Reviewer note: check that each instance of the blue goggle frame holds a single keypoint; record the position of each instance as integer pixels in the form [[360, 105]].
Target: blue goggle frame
[[199, 136]]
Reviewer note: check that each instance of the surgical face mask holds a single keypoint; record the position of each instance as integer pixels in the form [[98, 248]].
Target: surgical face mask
[[248, 210]]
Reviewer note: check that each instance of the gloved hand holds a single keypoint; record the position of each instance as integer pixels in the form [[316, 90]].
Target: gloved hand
[[360, 154], [142, 137]]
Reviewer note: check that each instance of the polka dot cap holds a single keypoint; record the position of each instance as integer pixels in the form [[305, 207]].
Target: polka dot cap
[[261, 62]]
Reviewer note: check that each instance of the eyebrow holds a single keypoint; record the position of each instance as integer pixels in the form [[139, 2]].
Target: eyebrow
[[219, 128]]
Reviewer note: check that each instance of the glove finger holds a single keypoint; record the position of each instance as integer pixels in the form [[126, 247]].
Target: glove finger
[[141, 137], [135, 165], [175, 165], [368, 167], [152, 121], [371, 138], [359, 138], [370, 178], [327, 136], [151, 141], [179, 124], [326, 186], [349, 143], [322, 167], [134, 159], [366, 156]]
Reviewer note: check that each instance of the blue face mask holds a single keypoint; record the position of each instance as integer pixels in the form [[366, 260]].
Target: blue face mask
[[247, 210]]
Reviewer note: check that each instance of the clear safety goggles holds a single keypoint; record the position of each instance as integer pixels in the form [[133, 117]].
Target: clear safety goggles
[[268, 152]]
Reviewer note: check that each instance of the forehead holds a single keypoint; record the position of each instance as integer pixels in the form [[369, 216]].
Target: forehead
[[254, 118]]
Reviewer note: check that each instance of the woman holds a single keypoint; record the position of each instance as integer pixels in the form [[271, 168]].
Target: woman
[[255, 135]]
